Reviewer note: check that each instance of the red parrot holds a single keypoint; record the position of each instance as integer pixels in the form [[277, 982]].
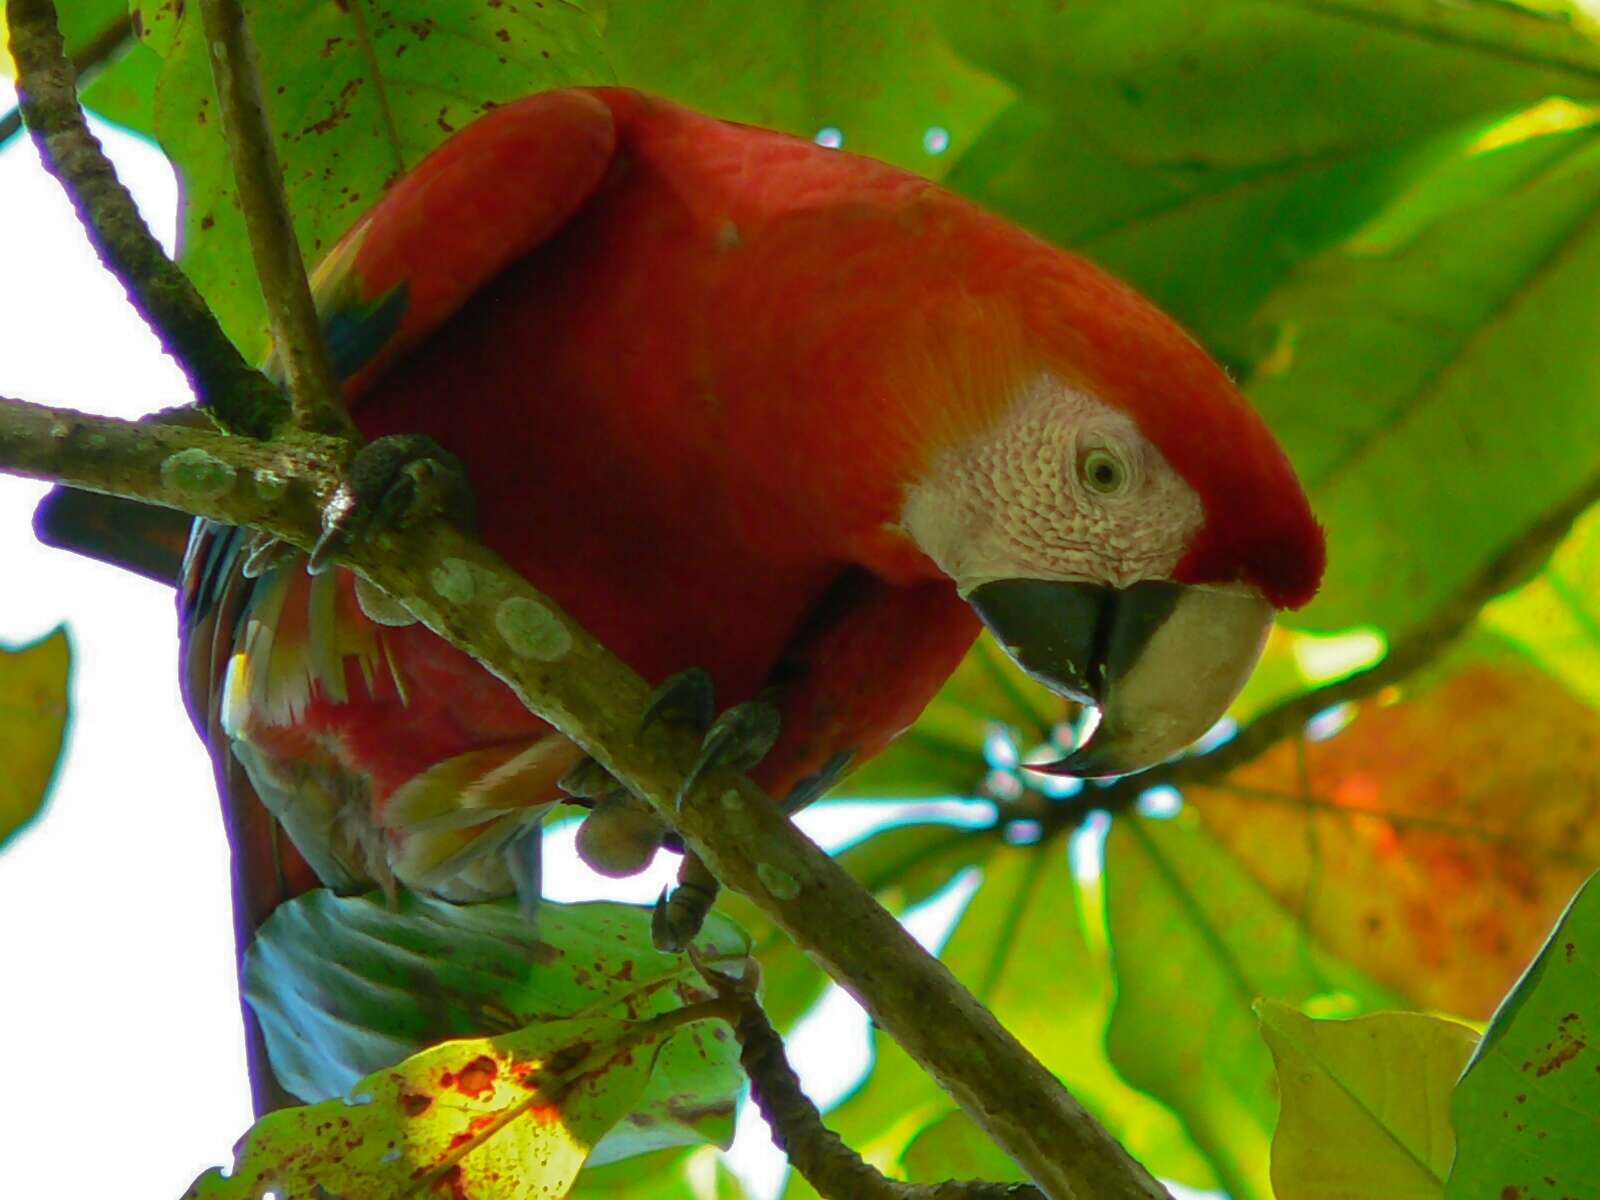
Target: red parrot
[[743, 403]]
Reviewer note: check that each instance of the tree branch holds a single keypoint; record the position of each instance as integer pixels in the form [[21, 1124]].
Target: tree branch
[[298, 344], [236, 394], [97, 52]]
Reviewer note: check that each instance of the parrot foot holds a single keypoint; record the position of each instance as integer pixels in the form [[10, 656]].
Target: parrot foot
[[681, 912], [739, 738], [391, 483], [687, 698]]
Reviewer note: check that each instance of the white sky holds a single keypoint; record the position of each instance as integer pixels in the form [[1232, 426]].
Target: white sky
[[119, 1031]]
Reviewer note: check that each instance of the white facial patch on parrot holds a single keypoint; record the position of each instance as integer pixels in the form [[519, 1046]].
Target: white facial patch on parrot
[[1063, 487]]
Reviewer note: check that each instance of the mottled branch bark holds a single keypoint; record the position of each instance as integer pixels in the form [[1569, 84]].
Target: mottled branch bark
[[97, 52]]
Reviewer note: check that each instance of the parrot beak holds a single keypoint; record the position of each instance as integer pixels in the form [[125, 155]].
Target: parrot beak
[[1161, 661]]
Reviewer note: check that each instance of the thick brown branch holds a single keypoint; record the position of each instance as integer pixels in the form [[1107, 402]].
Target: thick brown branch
[[296, 331], [238, 395]]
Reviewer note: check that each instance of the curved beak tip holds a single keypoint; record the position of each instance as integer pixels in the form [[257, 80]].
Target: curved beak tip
[[1161, 661]]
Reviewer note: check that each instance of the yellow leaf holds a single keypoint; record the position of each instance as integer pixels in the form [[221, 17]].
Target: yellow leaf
[[33, 722], [505, 1118], [1366, 1103]]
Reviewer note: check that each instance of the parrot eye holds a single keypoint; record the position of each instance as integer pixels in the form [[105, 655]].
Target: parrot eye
[[1102, 472]]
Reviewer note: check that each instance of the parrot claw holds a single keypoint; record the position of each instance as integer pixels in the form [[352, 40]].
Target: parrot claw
[[739, 738], [262, 553], [687, 698], [391, 483], [681, 911]]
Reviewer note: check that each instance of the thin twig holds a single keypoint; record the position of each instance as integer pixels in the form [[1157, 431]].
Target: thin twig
[[832, 1168], [297, 338], [234, 392]]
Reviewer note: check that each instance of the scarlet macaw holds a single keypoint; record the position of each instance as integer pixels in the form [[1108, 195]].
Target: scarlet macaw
[[738, 402]]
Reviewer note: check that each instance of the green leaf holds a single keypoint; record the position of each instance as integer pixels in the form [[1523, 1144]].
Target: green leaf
[[953, 1147], [1195, 942], [125, 91], [699, 1174], [1527, 1109], [33, 725], [1403, 363], [1555, 616], [1366, 1103], [877, 71], [358, 94], [1208, 149], [510, 1117], [345, 986]]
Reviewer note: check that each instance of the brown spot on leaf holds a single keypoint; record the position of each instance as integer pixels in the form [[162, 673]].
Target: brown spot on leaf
[[1561, 1057], [477, 1076], [415, 1103]]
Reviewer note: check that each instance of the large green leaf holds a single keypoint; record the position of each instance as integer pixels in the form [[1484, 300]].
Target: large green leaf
[[1031, 949], [876, 71], [357, 95], [344, 986], [700, 1174], [1435, 375], [1528, 1108], [1366, 1103], [1555, 616], [506, 1118], [1201, 151], [1195, 942], [33, 725]]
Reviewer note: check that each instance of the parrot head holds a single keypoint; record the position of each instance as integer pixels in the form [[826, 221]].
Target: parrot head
[[1125, 524]]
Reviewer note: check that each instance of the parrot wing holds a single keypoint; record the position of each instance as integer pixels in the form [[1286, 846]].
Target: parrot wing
[[257, 649]]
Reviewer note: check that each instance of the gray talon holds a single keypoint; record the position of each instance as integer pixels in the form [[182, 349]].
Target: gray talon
[[392, 482]]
